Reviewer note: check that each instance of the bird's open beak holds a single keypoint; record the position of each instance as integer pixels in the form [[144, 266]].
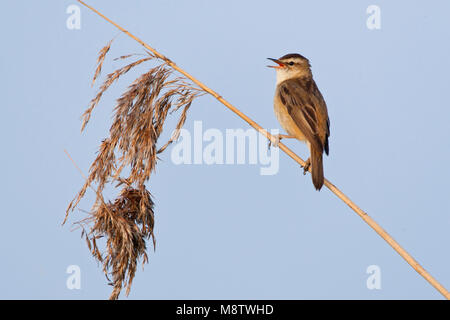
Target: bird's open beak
[[280, 64]]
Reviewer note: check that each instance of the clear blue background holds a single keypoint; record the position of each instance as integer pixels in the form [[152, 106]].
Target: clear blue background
[[224, 231]]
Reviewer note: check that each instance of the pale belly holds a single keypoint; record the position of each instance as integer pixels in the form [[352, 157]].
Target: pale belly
[[286, 121]]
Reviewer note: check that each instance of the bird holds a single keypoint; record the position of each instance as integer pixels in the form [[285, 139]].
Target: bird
[[301, 110]]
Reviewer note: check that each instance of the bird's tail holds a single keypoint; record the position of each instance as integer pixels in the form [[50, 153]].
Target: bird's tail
[[317, 168]]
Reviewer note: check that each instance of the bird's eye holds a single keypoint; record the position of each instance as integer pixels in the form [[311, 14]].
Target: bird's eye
[[291, 63]]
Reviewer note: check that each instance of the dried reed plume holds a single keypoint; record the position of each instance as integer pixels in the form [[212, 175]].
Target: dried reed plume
[[146, 98], [139, 117], [100, 59]]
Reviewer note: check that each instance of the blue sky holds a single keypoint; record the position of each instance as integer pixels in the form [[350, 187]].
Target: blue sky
[[225, 231]]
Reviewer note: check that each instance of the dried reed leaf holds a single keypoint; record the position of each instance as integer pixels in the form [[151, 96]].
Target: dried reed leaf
[[100, 60], [139, 117], [126, 223], [127, 56], [110, 79]]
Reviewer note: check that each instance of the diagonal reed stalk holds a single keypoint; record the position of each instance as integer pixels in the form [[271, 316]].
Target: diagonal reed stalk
[[375, 226]]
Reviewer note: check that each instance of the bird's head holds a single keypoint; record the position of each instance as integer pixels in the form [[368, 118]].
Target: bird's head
[[292, 65]]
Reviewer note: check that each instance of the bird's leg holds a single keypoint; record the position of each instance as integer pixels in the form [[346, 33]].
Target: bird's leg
[[277, 139], [306, 166]]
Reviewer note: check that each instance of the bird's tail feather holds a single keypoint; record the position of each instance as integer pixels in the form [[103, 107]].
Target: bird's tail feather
[[317, 168]]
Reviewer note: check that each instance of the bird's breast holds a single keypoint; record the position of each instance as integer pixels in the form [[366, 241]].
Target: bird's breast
[[285, 119]]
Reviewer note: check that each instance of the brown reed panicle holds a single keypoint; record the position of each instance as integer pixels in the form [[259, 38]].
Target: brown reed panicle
[[101, 59], [138, 121]]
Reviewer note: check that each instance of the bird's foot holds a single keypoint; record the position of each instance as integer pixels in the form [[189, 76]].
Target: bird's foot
[[306, 166], [277, 138], [275, 141]]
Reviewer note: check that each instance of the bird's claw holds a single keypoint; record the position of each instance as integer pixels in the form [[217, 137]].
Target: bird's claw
[[275, 141], [306, 166]]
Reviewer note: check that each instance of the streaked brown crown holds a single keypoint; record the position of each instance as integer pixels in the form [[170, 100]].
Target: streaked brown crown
[[293, 55]]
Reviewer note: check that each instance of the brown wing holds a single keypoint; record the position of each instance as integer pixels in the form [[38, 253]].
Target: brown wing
[[308, 109]]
